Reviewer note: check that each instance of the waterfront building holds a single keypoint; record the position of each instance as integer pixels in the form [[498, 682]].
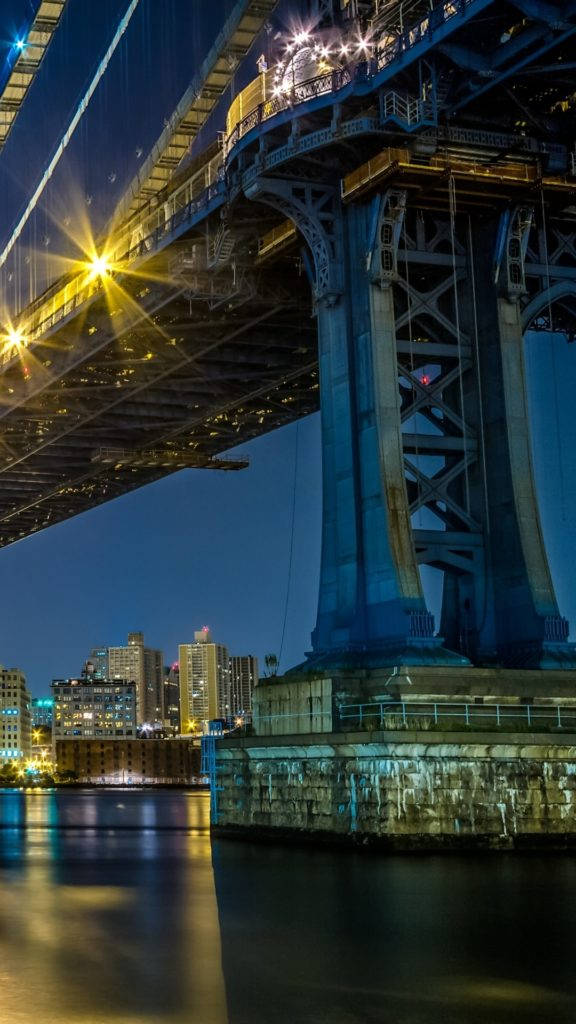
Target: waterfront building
[[112, 762], [172, 697], [41, 712], [204, 680], [145, 667], [243, 679], [89, 707], [15, 732]]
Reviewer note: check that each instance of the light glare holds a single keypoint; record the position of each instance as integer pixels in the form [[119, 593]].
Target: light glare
[[99, 266]]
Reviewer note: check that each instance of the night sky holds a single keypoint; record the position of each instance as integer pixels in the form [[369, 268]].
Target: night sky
[[196, 548]]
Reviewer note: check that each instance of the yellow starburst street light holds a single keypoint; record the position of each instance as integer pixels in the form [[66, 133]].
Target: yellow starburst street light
[[99, 266], [192, 725], [14, 338]]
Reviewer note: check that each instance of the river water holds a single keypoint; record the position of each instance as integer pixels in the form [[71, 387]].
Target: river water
[[116, 908]]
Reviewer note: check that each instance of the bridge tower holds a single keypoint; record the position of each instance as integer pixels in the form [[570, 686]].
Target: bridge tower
[[425, 428], [427, 262], [421, 309]]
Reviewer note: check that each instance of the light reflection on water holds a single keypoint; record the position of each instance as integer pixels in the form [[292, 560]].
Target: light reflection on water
[[115, 908], [107, 909]]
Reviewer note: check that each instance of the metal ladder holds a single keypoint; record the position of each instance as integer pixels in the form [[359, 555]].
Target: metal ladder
[[209, 766]]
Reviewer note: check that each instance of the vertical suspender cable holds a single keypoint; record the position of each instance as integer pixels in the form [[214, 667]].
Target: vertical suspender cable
[[291, 548], [554, 366]]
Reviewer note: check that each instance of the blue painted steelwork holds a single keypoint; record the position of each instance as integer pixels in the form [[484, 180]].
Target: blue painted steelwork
[[424, 275]]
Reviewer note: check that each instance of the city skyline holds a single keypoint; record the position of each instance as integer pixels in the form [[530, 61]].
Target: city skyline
[[243, 593]]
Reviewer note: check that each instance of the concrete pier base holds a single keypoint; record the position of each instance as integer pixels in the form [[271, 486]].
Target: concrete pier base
[[304, 777], [402, 790]]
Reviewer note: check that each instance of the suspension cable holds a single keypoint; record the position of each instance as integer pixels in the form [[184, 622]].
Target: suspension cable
[[79, 113]]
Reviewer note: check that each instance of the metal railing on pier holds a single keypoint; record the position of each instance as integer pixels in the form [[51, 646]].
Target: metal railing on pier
[[416, 715], [405, 714]]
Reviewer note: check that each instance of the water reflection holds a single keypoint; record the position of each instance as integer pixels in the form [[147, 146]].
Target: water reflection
[[407, 940], [117, 923], [115, 908]]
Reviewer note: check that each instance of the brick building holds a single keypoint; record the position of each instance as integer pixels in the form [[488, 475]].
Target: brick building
[[141, 761]]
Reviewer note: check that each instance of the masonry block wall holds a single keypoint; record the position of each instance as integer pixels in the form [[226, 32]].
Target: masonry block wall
[[406, 790]]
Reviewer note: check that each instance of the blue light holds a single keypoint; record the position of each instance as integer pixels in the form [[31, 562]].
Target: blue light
[[20, 44]]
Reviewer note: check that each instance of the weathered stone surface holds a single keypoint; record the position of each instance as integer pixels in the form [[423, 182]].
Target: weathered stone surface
[[293, 707], [407, 789], [289, 706]]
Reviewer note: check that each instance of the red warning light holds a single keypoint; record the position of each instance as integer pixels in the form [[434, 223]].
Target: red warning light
[[425, 379]]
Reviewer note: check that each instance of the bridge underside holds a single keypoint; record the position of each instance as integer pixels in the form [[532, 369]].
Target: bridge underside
[[375, 243], [166, 370]]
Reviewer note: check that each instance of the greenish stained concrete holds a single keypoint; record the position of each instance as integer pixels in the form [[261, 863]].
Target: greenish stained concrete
[[404, 790]]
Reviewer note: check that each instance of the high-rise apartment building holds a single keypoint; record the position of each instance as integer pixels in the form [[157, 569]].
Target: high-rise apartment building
[[145, 667], [204, 680], [93, 708], [172, 696], [99, 661], [243, 679], [15, 734]]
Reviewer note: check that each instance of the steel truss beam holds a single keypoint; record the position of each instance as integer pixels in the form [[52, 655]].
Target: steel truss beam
[[438, 304], [450, 463]]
